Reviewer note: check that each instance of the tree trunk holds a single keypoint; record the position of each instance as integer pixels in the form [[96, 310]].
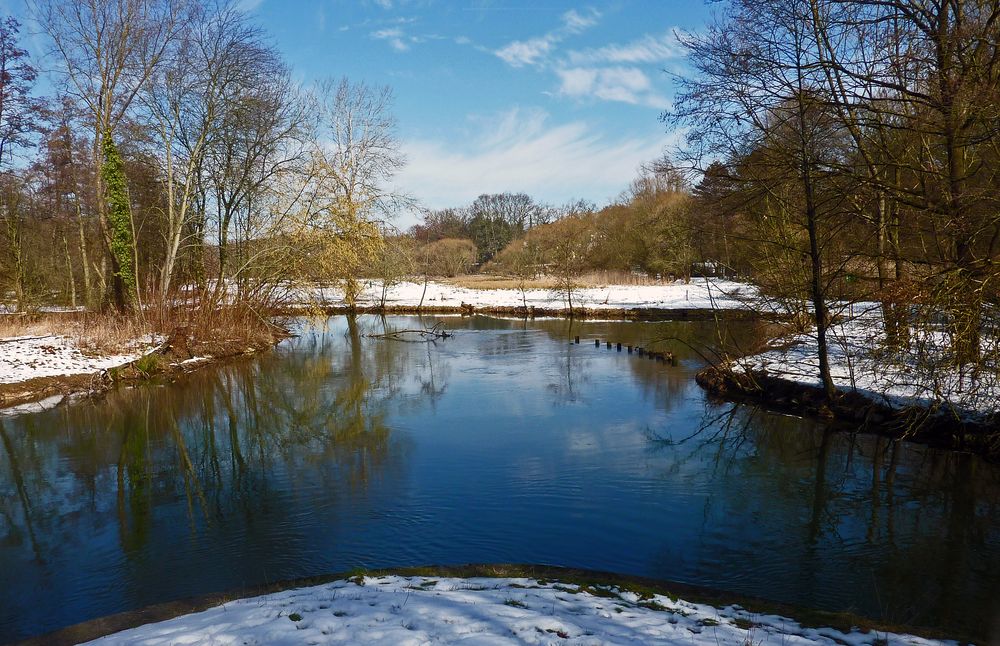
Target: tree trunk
[[88, 295]]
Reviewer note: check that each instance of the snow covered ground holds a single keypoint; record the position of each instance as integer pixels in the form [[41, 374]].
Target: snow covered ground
[[400, 611], [23, 358], [698, 294], [858, 361]]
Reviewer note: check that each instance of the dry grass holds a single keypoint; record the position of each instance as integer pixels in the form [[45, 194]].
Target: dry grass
[[110, 333], [591, 279], [95, 333]]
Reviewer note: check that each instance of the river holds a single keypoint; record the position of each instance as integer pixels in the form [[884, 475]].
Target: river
[[506, 442]]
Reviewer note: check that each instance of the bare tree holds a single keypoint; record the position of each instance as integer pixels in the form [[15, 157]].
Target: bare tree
[[756, 99], [19, 111], [107, 51], [220, 67]]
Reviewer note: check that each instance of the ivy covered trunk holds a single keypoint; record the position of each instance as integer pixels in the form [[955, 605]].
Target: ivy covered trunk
[[119, 219]]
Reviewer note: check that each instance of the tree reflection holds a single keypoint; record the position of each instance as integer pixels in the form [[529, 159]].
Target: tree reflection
[[911, 529]]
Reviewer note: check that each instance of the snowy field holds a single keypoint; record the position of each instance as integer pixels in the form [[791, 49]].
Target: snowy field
[[402, 611], [23, 358], [858, 363], [698, 294]]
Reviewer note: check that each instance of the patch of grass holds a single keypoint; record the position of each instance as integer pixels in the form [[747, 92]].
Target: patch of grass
[[339, 613], [708, 621], [649, 604], [148, 364], [601, 591], [356, 575], [295, 616], [514, 603]]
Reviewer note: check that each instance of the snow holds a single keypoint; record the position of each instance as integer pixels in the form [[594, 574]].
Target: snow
[[23, 358], [698, 294], [859, 362], [419, 610]]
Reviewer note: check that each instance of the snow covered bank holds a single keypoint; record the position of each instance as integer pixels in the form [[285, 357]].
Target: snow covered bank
[[24, 358], [919, 376], [419, 610], [698, 294]]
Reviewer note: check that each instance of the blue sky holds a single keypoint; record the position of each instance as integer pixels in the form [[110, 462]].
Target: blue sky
[[556, 99]]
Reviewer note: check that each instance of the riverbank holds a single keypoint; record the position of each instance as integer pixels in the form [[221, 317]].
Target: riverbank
[[494, 604], [701, 296], [914, 393], [72, 356]]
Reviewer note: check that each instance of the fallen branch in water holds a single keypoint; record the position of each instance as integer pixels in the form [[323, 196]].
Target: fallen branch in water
[[429, 334]]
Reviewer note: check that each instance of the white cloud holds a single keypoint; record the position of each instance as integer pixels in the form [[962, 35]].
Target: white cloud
[[624, 84], [648, 49], [394, 36], [525, 52], [574, 22], [520, 150], [533, 51]]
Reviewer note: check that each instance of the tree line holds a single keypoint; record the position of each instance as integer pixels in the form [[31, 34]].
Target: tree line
[[178, 161], [851, 151]]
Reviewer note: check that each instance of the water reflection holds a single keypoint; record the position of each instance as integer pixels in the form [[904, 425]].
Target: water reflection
[[507, 442]]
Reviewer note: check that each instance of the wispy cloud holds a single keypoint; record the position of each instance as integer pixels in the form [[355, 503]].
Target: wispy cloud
[[648, 49], [525, 52], [394, 36], [533, 51], [624, 84], [575, 22], [520, 150]]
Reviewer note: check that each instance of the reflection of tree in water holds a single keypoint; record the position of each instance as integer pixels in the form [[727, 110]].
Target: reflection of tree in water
[[21, 499], [213, 440], [910, 529]]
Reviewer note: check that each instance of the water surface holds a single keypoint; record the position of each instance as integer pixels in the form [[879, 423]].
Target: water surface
[[504, 443]]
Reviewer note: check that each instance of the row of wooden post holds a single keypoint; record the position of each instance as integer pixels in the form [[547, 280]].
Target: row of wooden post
[[666, 356]]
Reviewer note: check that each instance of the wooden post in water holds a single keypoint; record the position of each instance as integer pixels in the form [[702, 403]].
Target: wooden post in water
[[630, 349], [576, 339], [609, 345], [638, 350], [619, 347], [597, 343]]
